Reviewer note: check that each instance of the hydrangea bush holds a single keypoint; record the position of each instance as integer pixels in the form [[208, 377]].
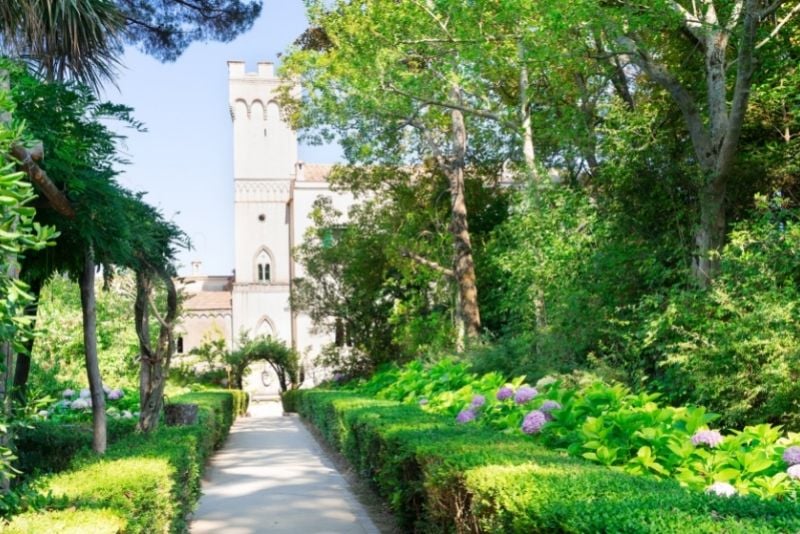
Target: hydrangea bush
[[606, 424], [75, 405]]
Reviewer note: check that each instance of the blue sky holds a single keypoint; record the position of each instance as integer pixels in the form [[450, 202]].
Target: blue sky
[[184, 161]]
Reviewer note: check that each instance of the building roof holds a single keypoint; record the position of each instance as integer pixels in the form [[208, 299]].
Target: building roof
[[208, 300], [316, 172]]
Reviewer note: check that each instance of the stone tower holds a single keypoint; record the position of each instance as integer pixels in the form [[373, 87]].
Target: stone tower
[[264, 158]]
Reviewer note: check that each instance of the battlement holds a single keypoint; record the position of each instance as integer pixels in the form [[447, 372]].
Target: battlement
[[238, 69]]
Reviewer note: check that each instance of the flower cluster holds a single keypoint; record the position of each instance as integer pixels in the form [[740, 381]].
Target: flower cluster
[[504, 393], [525, 394], [534, 422], [478, 401], [465, 416], [721, 489], [792, 455], [794, 471], [712, 438], [548, 406]]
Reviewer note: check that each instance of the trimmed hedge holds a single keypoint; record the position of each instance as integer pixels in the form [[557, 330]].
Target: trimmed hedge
[[439, 476], [149, 482], [49, 447], [68, 522]]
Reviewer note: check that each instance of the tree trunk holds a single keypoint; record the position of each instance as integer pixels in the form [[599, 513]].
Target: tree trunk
[[89, 308], [710, 233], [463, 264], [154, 362], [22, 369]]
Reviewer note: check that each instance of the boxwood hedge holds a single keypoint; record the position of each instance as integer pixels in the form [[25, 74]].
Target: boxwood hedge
[[144, 483], [442, 477]]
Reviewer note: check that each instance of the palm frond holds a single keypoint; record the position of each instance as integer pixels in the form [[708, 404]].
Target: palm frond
[[64, 39]]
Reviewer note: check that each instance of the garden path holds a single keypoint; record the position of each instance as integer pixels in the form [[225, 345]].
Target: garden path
[[271, 476]]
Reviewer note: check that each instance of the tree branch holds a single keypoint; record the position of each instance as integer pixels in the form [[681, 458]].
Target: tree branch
[[448, 105], [741, 91], [55, 197], [428, 263], [779, 26], [690, 21], [685, 101]]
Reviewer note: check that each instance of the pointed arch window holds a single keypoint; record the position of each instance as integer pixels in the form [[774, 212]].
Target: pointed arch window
[[263, 267]]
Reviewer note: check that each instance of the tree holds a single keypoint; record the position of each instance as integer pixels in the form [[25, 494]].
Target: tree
[[723, 35], [164, 28]]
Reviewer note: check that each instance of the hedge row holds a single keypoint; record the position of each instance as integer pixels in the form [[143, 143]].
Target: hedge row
[[442, 477], [144, 483]]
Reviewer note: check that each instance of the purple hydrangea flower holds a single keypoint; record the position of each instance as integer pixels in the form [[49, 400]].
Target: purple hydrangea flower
[[792, 455], [478, 401], [423, 401], [68, 393], [721, 489], [524, 394], [533, 422], [465, 416], [504, 393], [712, 438], [115, 394], [549, 406], [794, 471]]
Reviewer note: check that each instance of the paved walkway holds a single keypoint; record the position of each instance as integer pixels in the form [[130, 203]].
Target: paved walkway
[[271, 476]]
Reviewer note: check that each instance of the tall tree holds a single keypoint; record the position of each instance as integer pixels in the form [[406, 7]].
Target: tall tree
[[722, 39]]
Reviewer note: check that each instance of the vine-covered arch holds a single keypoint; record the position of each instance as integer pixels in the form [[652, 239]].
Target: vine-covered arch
[[283, 360]]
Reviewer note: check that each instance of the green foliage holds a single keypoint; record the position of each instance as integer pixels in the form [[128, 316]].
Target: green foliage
[[19, 235], [442, 477], [57, 356]]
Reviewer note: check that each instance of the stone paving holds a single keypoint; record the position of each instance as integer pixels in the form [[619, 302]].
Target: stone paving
[[271, 476]]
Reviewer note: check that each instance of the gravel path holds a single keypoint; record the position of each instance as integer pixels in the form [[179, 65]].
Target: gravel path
[[271, 476]]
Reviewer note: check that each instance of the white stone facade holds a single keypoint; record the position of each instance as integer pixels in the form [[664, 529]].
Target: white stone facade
[[274, 193]]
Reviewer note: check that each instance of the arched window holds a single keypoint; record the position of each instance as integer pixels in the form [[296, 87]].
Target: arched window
[[263, 267]]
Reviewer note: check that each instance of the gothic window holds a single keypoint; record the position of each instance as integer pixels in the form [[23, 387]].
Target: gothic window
[[180, 345], [263, 267]]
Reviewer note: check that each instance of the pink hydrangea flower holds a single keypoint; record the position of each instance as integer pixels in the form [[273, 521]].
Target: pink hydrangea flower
[[115, 394]]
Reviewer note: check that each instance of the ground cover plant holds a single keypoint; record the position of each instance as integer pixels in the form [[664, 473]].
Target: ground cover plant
[[606, 424], [440, 476]]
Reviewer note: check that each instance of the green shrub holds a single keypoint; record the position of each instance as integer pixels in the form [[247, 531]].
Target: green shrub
[[49, 447], [96, 521], [439, 476], [289, 400], [137, 488], [152, 481]]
